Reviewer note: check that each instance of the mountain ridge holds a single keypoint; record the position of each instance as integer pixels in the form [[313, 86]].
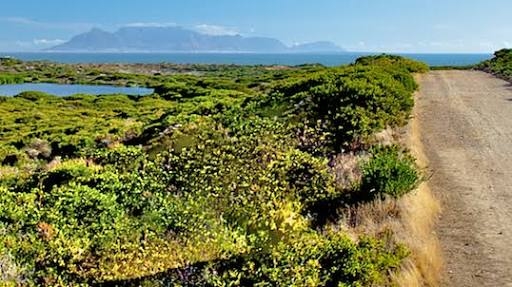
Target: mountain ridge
[[178, 39]]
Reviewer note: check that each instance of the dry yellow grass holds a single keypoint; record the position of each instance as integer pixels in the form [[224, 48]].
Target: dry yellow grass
[[418, 215], [419, 212], [411, 219], [409, 276]]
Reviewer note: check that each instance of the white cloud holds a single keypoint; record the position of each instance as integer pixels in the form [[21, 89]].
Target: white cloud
[[451, 46], [20, 20], [27, 45], [150, 24], [507, 44], [24, 44], [74, 26], [443, 27], [216, 30], [47, 42]]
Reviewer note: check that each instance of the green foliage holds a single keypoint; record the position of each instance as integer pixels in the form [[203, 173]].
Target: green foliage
[[209, 182], [11, 79], [9, 61], [399, 68], [306, 175], [389, 172], [462, 68], [500, 65], [313, 260], [347, 103], [191, 87], [71, 124], [384, 60], [176, 90], [35, 96]]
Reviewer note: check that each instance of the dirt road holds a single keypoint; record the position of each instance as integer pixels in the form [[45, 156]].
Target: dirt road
[[465, 119]]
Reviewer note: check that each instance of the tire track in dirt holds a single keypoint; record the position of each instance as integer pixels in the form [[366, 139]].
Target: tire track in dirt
[[465, 118]]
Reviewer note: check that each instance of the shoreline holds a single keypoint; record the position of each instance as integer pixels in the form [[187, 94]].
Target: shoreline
[[229, 58]]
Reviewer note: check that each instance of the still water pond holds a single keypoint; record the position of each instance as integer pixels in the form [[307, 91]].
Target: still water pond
[[68, 90]]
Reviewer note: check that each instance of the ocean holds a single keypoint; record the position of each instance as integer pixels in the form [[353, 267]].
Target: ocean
[[240, 58]]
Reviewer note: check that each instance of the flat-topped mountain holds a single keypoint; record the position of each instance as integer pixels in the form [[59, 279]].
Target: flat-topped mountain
[[178, 39]]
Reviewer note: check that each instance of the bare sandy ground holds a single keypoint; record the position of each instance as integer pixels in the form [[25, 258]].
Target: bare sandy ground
[[465, 119]]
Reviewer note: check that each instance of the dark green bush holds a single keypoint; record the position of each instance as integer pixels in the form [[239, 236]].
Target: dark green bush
[[347, 103], [500, 65], [389, 172], [393, 61], [307, 176], [11, 78], [313, 260], [34, 96], [177, 90]]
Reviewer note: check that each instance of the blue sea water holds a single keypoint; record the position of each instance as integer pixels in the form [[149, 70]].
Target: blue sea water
[[68, 90], [241, 58]]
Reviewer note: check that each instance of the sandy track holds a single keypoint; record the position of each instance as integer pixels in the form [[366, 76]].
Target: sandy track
[[465, 119]]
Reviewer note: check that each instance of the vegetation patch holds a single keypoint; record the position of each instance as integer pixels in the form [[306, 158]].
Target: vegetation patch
[[500, 65], [218, 179], [389, 172]]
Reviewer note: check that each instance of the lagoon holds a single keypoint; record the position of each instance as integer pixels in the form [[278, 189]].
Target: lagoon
[[63, 90]]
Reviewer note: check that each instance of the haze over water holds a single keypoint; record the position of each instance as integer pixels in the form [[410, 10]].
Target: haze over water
[[241, 58]]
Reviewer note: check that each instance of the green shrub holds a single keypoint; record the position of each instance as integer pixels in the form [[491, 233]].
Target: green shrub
[[398, 67], [347, 103], [308, 177], [177, 90], [500, 65], [389, 172], [122, 157], [393, 61], [6, 79], [35, 96], [313, 260]]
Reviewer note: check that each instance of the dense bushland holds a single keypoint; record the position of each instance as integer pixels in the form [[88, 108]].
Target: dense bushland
[[345, 104], [205, 183], [10, 79], [500, 65]]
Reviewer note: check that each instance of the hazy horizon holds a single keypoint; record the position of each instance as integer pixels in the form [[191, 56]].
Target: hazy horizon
[[396, 26]]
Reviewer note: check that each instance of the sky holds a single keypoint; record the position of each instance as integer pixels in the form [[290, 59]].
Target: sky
[[421, 26]]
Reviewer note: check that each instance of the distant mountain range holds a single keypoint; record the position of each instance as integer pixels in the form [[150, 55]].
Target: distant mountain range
[[178, 39]]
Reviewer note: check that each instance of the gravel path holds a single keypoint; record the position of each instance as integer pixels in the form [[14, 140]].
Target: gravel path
[[465, 119]]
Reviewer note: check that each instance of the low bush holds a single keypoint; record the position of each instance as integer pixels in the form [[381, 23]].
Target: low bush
[[6, 79], [500, 65], [392, 61], [313, 260], [388, 172], [347, 104]]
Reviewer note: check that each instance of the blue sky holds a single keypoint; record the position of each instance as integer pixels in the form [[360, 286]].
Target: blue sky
[[357, 25]]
